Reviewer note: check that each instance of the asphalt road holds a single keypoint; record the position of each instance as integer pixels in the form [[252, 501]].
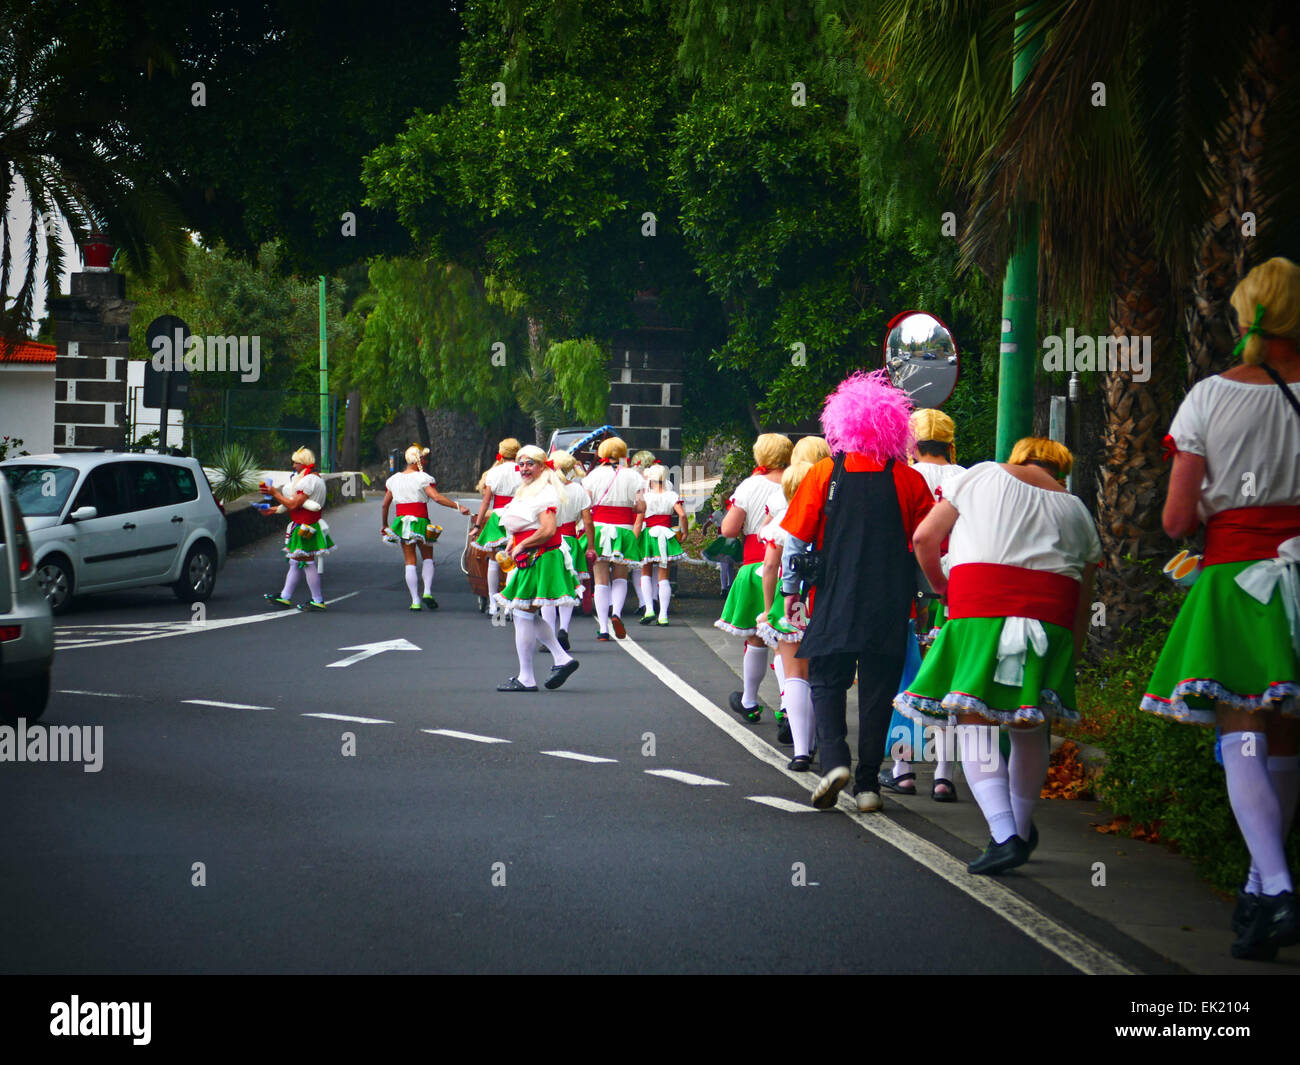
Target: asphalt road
[[395, 845]]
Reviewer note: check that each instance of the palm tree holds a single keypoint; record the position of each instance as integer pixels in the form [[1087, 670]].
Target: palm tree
[[1117, 139], [71, 160]]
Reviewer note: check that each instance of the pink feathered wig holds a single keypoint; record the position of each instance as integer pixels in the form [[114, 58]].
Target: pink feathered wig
[[867, 414]]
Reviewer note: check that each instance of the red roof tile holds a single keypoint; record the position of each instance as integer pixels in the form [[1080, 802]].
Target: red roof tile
[[27, 351]]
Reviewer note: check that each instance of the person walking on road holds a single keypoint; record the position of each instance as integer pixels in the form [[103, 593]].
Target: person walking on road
[[575, 505], [658, 544], [497, 486], [616, 494], [1232, 657], [859, 510], [411, 490], [306, 539], [1022, 555]]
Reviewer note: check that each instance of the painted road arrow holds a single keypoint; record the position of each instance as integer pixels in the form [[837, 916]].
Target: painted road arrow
[[368, 650]]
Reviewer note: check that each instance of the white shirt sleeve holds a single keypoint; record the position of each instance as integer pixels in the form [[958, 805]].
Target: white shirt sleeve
[[1189, 425]]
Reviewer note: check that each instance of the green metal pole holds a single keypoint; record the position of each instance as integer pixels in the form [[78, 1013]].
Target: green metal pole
[[1019, 351], [324, 387]]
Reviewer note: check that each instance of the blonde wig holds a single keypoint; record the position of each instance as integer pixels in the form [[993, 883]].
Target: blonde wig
[[1040, 449], [773, 451], [810, 449], [1274, 285]]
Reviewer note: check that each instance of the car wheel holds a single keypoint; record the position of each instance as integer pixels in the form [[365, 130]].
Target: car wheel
[[54, 578], [26, 698], [198, 575]]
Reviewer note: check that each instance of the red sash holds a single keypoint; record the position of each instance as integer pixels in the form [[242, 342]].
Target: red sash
[[500, 501], [755, 550], [569, 528], [518, 537], [303, 516], [613, 515], [1245, 534], [657, 521], [412, 510], [991, 590]]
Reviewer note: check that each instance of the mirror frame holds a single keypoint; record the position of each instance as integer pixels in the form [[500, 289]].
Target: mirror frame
[[884, 347]]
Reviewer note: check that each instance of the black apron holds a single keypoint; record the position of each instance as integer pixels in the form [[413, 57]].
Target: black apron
[[865, 596]]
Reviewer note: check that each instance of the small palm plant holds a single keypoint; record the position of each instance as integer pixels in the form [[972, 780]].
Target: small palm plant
[[234, 472]]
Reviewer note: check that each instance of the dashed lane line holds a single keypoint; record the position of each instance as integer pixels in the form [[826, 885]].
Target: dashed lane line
[[346, 717], [102, 695], [463, 735], [1074, 949], [577, 757], [227, 706], [687, 778], [778, 803]]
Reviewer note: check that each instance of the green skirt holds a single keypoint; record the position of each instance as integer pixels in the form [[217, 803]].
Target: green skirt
[[412, 530], [307, 541], [578, 556], [616, 543], [1225, 647], [775, 629], [661, 549], [549, 580], [957, 677], [491, 536], [744, 602]]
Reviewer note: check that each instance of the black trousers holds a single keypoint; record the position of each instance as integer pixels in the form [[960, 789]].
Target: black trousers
[[830, 677]]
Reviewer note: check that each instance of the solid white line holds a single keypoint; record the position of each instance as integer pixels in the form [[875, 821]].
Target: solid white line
[[686, 778], [345, 717], [578, 757], [183, 628], [1072, 948], [462, 735], [778, 803], [102, 695], [228, 706]]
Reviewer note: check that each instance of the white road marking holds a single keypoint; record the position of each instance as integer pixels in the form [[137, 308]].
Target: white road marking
[[462, 735], [778, 803], [345, 717], [1071, 947], [102, 695], [578, 757], [686, 778], [178, 628], [228, 706], [369, 650]]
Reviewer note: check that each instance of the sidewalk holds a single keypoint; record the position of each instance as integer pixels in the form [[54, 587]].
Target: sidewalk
[[1150, 894]]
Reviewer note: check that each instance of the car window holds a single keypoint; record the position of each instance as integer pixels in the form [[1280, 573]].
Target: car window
[[184, 490], [150, 484], [41, 491], [103, 490]]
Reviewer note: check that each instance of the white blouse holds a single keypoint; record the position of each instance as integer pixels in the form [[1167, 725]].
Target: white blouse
[[576, 500], [1250, 439], [1004, 520], [312, 485], [609, 487], [772, 533], [503, 479], [523, 513], [409, 487], [758, 498], [936, 475], [660, 503]]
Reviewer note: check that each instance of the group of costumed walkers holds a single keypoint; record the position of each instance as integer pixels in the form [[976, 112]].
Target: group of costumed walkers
[[553, 526]]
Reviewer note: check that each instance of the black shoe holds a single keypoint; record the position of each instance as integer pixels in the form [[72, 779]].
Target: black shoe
[[749, 713], [430, 602], [999, 857], [563, 637], [279, 601], [648, 619], [800, 763], [1247, 904], [783, 734], [1032, 841], [559, 674], [1273, 925], [513, 685], [603, 637]]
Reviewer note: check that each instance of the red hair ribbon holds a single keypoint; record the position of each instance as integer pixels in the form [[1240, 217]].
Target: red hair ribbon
[[549, 464], [307, 469], [500, 456], [606, 462], [1169, 447], [760, 469]]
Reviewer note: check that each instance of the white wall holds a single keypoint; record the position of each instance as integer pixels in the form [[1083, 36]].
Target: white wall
[[146, 418], [27, 404]]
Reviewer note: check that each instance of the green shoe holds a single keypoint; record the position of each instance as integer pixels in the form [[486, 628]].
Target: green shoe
[[277, 600], [429, 601], [662, 621], [415, 606], [313, 605]]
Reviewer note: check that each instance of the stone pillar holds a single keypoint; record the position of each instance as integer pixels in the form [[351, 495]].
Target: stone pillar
[[645, 392], [91, 336]]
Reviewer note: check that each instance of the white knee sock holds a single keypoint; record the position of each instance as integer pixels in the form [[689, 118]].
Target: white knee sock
[[1284, 773], [618, 596], [665, 595], [546, 636], [566, 615], [753, 667], [986, 773], [426, 575], [412, 585], [647, 597], [548, 614], [601, 594], [636, 588], [778, 667], [798, 704], [313, 582], [525, 639], [945, 749], [1030, 754], [290, 581], [493, 582], [1256, 807]]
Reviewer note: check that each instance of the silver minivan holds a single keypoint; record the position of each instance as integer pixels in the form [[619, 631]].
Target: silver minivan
[[104, 521], [26, 627]]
